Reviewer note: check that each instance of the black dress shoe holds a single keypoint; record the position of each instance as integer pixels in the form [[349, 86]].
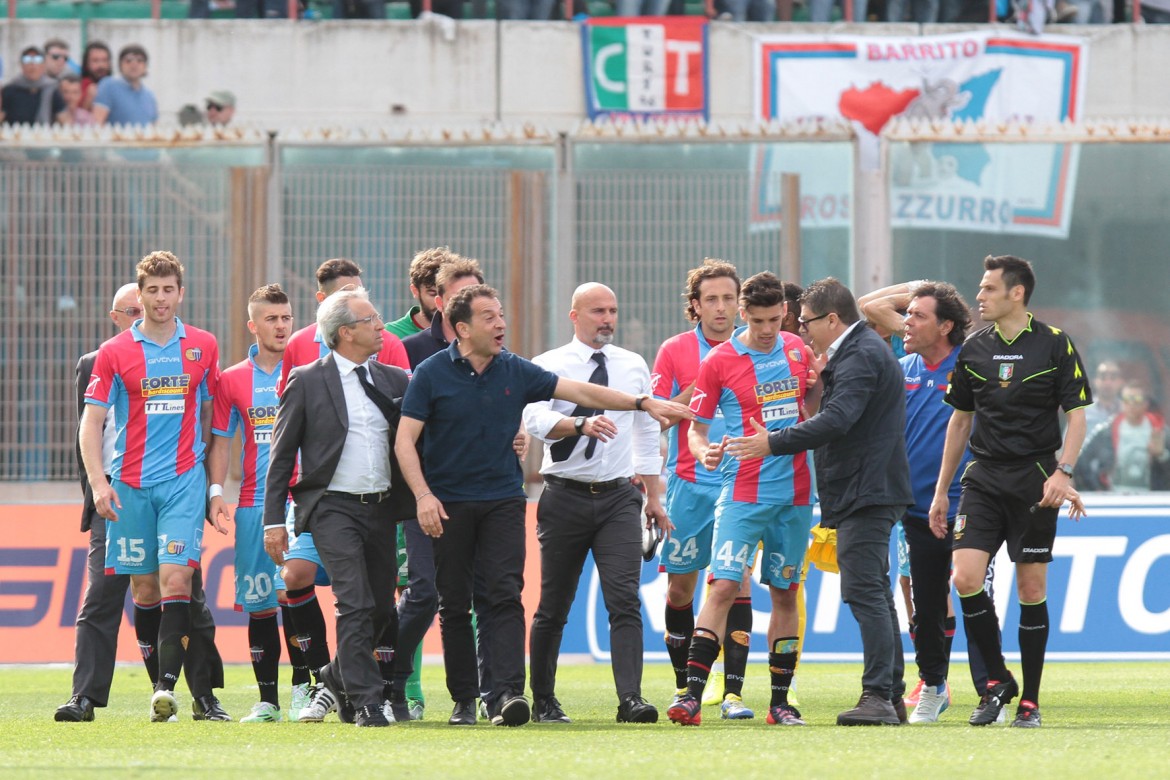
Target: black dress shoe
[[208, 708], [546, 709], [78, 709], [635, 709], [370, 716], [515, 711], [463, 714], [345, 710]]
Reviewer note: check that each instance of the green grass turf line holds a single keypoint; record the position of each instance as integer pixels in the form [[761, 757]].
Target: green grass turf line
[[1100, 720]]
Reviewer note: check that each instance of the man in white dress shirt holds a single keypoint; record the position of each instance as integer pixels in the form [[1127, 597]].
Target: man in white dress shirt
[[589, 503]]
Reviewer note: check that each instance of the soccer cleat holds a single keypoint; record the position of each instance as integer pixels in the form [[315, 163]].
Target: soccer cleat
[[417, 708], [733, 708], [687, 711], [932, 702], [714, 689], [321, 703], [263, 712], [346, 712], [678, 694], [998, 695], [299, 700], [388, 711], [1027, 716], [371, 715], [208, 708], [79, 709], [911, 698], [163, 707], [784, 715]]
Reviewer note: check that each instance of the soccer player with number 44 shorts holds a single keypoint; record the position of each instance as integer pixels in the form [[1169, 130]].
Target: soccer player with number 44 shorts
[[160, 377], [761, 375], [247, 402], [711, 294]]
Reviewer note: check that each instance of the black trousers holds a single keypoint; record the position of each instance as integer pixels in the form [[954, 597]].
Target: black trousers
[[96, 640], [571, 523], [930, 582], [488, 537], [358, 545]]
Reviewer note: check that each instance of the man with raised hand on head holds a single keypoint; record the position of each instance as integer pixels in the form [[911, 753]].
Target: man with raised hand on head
[[160, 377]]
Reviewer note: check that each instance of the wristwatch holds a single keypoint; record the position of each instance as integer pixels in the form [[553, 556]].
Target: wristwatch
[[1066, 468], [639, 400], [579, 424]]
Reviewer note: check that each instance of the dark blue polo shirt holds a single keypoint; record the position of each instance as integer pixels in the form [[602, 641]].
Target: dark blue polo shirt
[[471, 420]]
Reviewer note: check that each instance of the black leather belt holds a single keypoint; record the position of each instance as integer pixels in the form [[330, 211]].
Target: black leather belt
[[364, 498], [587, 487]]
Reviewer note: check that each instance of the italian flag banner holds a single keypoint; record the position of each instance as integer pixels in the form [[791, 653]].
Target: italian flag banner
[[643, 67]]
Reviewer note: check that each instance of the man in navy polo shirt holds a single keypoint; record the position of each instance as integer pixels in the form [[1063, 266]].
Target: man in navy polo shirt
[[470, 399]]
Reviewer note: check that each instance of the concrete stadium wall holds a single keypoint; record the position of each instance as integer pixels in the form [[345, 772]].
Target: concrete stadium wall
[[357, 73]]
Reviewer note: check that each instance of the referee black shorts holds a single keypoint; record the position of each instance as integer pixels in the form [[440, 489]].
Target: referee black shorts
[[996, 507]]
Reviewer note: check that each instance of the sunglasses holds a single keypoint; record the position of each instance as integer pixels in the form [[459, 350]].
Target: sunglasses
[[32, 59], [214, 107], [1132, 398], [58, 56], [130, 311]]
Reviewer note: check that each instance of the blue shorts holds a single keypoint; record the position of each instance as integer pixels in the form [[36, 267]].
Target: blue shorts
[[301, 548], [903, 551], [257, 576], [783, 530], [159, 524], [691, 508]]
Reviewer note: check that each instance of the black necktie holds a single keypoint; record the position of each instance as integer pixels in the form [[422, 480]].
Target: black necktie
[[384, 403], [562, 449]]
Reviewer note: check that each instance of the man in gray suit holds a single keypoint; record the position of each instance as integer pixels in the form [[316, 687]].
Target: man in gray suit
[[863, 479], [100, 616], [341, 414]]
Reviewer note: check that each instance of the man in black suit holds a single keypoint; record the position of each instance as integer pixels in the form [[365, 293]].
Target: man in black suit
[[863, 479], [100, 615], [341, 414]]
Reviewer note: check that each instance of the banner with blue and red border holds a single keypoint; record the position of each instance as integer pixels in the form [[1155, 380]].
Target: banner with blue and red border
[[645, 67]]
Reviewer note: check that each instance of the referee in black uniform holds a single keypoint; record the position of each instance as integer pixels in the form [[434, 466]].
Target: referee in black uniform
[[1013, 375]]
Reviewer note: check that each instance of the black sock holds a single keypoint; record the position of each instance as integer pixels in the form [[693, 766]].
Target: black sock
[[146, 619], [384, 652], [310, 627], [174, 630], [1033, 643], [296, 657], [982, 627], [949, 623], [736, 645], [704, 651], [264, 644], [680, 627], [782, 666]]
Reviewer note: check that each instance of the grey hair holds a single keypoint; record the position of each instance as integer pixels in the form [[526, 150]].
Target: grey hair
[[335, 312]]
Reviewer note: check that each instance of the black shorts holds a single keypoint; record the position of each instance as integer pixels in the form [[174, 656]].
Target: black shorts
[[996, 507]]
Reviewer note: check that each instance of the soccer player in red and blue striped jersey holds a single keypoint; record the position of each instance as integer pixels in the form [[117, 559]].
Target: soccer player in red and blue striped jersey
[[762, 374], [247, 402], [160, 377], [711, 293]]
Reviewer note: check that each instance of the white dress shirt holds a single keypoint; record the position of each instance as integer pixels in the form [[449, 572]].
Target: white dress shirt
[[635, 449], [365, 457], [836, 345]]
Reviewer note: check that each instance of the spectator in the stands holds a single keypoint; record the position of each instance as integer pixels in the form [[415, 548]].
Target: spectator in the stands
[[125, 100], [1156, 11], [451, 8], [641, 7], [822, 10], [69, 86], [31, 98], [1107, 382], [244, 9], [57, 58], [95, 66], [360, 9], [221, 107], [534, 10], [1131, 452]]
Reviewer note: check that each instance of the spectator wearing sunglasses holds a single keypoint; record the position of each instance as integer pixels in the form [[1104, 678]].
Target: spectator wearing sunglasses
[[57, 62], [31, 98], [221, 107], [1129, 453], [124, 99]]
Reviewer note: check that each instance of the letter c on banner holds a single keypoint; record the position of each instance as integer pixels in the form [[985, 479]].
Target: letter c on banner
[[599, 62]]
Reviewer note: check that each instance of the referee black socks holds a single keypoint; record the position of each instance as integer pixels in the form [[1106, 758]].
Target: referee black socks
[[1033, 643], [982, 627]]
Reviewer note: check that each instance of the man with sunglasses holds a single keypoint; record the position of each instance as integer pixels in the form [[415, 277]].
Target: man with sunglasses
[[32, 97], [124, 99], [100, 615], [863, 480], [221, 107], [57, 58]]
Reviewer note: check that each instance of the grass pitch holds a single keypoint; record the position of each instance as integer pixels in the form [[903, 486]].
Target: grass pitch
[[1100, 720]]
